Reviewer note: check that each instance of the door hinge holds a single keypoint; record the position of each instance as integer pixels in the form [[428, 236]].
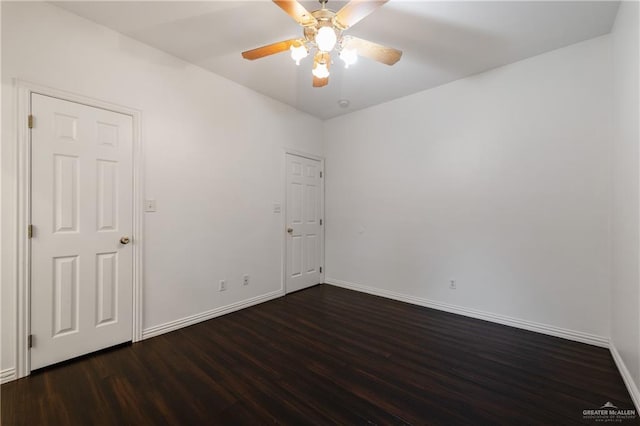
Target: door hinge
[[30, 341], [320, 174], [320, 222], [321, 269], [30, 231], [30, 121]]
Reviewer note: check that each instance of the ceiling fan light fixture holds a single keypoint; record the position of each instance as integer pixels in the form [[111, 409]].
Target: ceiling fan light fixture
[[324, 32], [349, 57], [326, 39], [298, 52], [320, 70]]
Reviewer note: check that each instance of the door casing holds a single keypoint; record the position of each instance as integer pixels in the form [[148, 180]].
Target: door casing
[[23, 203], [284, 213]]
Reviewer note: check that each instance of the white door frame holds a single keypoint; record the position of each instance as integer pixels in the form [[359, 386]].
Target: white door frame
[[23, 202], [284, 215]]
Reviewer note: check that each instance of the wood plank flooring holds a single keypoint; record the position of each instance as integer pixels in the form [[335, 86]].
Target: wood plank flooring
[[326, 355]]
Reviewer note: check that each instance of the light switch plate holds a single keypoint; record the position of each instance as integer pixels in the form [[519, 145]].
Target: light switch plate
[[276, 207], [149, 206]]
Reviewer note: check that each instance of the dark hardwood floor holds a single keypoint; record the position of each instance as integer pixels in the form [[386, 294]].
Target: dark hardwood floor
[[326, 356]]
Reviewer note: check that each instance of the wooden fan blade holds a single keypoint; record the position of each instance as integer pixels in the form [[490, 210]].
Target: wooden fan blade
[[320, 82], [371, 50], [297, 12], [269, 49], [355, 11]]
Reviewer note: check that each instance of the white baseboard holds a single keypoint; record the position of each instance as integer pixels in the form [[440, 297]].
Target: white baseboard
[[632, 387], [577, 336], [7, 375], [157, 330]]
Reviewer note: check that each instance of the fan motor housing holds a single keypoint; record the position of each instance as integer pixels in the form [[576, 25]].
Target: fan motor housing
[[325, 15]]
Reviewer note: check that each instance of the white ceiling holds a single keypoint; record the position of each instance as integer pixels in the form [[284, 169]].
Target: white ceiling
[[441, 41]]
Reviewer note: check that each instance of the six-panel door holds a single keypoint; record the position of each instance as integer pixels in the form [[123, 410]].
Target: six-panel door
[[303, 223], [81, 207]]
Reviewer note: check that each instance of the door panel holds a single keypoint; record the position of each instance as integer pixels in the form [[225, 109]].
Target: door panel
[[107, 288], [82, 185], [65, 295], [107, 195], [311, 246], [303, 215], [65, 195]]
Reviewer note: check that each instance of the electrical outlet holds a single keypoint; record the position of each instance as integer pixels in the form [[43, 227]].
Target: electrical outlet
[[245, 280], [452, 284], [223, 285]]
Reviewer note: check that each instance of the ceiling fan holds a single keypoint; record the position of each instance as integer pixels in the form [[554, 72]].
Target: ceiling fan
[[323, 30]]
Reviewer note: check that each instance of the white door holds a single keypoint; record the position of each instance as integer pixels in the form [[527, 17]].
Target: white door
[[81, 208], [304, 223]]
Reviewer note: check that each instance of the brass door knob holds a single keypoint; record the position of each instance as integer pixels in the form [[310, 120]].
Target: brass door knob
[[124, 240], [290, 230]]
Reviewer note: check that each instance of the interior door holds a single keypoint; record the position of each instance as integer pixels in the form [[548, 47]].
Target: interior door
[[304, 226], [82, 217]]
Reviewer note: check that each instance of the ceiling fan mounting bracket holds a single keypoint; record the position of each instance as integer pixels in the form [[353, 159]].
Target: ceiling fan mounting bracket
[[323, 16]]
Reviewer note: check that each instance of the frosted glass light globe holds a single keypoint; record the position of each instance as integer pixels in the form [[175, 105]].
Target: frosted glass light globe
[[298, 53], [349, 56], [326, 39], [320, 70]]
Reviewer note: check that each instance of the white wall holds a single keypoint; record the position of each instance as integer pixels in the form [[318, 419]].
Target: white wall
[[625, 287], [214, 157], [499, 181]]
